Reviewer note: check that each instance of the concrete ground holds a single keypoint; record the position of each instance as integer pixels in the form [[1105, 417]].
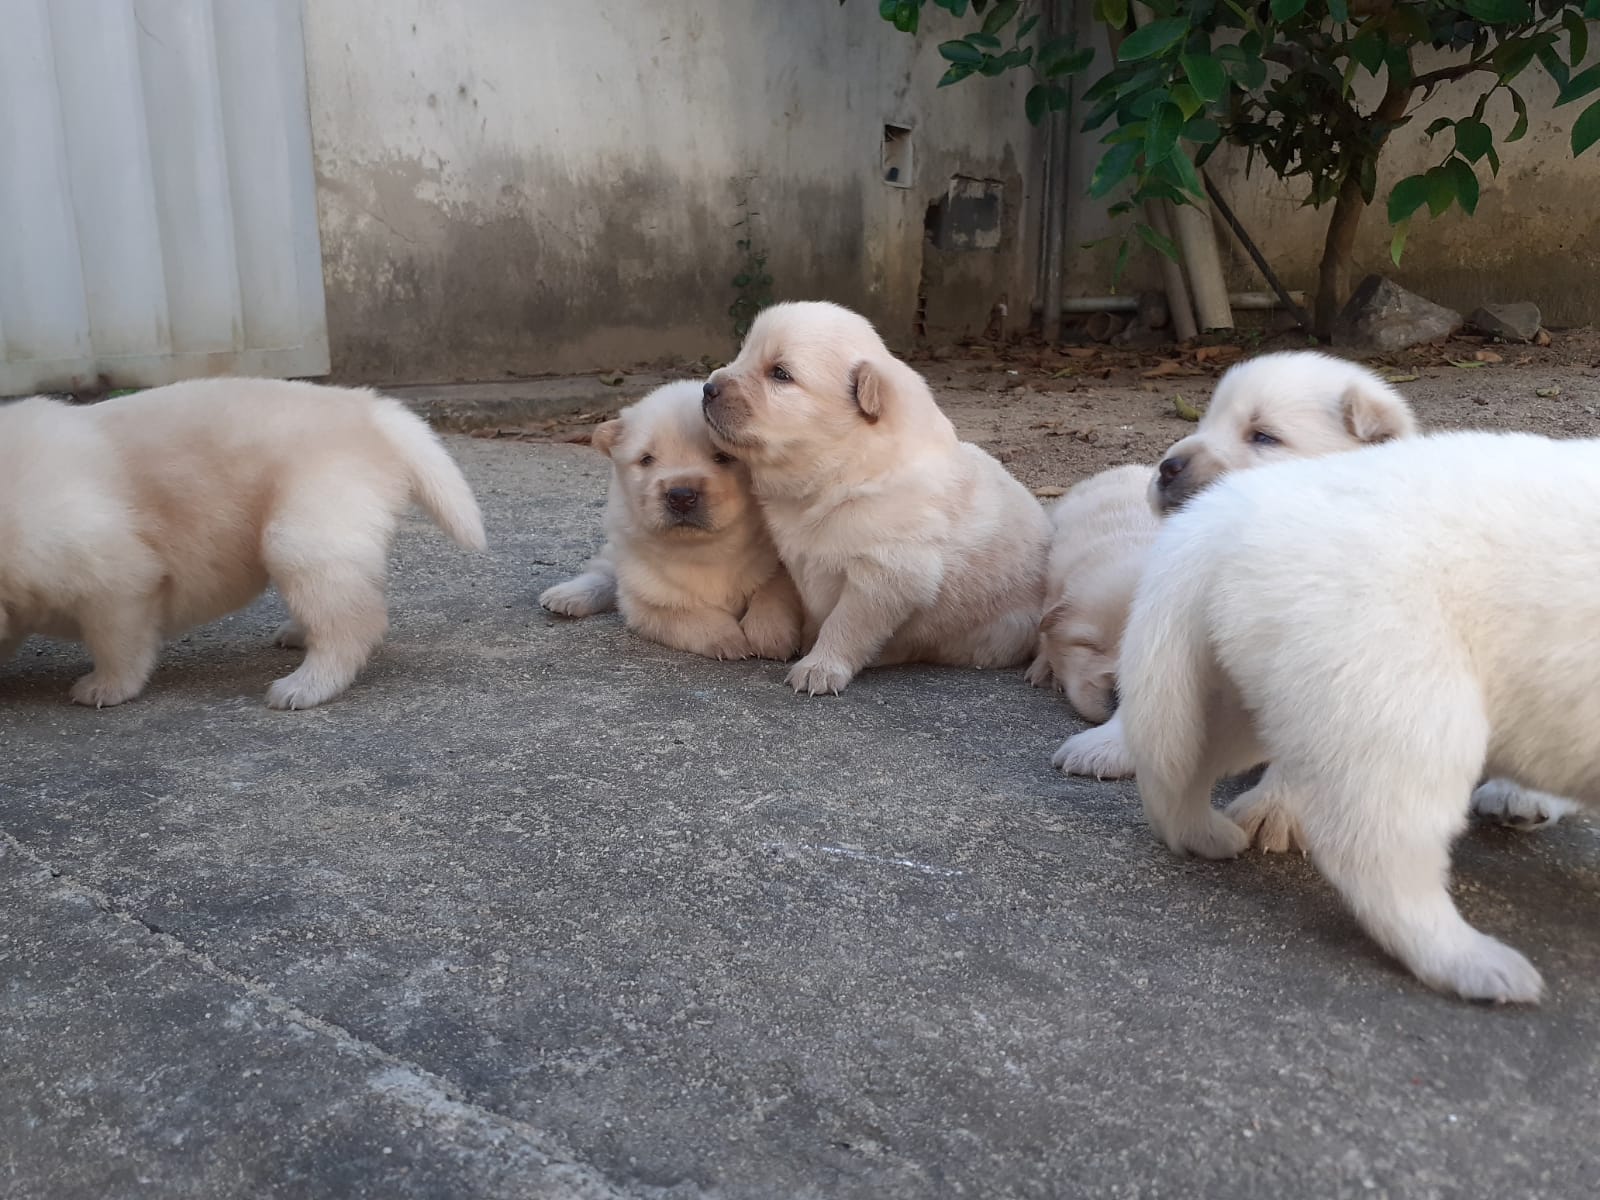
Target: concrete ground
[[539, 909]]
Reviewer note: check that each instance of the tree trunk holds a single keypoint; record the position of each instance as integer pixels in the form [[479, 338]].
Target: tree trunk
[[1338, 251]]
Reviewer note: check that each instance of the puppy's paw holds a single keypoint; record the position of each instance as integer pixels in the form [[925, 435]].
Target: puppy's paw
[[728, 647], [818, 677], [771, 636], [299, 690], [1516, 807], [1099, 752], [1267, 823], [575, 598], [1040, 675], [97, 691], [291, 635], [1213, 836], [1476, 966]]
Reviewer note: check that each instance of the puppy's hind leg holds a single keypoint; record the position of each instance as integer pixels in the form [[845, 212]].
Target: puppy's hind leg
[[124, 637], [329, 566], [1517, 807]]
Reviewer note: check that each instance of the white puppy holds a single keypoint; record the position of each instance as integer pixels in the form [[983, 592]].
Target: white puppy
[[1102, 531], [908, 544], [1295, 404], [1381, 626], [129, 521], [687, 556]]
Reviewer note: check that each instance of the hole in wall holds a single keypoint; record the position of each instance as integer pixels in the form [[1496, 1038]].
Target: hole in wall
[[897, 161]]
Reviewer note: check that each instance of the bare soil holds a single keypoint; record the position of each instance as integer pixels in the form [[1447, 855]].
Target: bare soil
[[1054, 415]]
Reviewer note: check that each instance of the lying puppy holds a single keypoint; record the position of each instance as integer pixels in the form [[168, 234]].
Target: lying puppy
[[1297, 404], [908, 545], [1402, 618], [1102, 532], [126, 522], [687, 556]]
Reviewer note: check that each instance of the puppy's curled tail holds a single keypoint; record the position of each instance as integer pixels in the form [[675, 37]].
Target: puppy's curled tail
[[436, 482], [1166, 677]]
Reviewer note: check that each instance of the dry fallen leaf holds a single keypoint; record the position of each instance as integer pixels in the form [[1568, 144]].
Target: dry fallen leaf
[[1542, 338], [1170, 366], [1185, 410], [1547, 393], [613, 379], [1049, 493], [1487, 356], [1465, 363], [1402, 378], [1081, 352]]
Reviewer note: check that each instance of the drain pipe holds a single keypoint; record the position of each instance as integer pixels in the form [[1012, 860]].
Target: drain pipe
[[1058, 147]]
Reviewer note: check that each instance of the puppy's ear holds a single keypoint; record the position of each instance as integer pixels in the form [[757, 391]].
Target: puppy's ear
[[605, 436], [1371, 415], [869, 384]]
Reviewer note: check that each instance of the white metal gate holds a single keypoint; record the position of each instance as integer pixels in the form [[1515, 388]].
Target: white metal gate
[[157, 206]]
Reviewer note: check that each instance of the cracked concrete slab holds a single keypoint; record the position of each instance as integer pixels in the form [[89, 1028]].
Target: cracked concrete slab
[[549, 911]]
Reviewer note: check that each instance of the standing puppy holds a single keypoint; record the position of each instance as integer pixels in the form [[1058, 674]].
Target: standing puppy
[[907, 544], [687, 556], [129, 521], [1102, 532]]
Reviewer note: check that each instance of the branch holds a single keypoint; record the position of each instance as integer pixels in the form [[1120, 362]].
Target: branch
[[1450, 74]]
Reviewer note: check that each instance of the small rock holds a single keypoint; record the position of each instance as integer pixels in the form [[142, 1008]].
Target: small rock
[[1381, 315], [1510, 322]]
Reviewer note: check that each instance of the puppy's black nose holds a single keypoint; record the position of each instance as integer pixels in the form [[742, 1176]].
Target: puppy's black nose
[[1171, 468], [710, 391], [682, 500]]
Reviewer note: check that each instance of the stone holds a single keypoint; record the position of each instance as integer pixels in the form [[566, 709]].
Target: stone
[[1381, 315], [1519, 322]]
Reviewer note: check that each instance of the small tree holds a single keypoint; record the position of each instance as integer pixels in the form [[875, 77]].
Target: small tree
[[1279, 79]]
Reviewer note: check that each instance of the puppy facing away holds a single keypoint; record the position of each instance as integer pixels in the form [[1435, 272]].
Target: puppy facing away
[[907, 544], [129, 521], [687, 556], [1384, 627], [1102, 530], [1296, 404]]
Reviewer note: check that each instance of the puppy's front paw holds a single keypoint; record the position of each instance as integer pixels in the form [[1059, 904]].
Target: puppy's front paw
[[1266, 821], [1040, 675], [817, 676], [1476, 966], [728, 647], [1517, 807], [97, 691], [1099, 752], [575, 598], [771, 635]]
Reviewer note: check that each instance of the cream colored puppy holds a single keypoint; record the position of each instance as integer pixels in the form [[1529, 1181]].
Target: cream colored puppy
[[1383, 627], [907, 544], [1102, 530], [1297, 404], [687, 556], [129, 521]]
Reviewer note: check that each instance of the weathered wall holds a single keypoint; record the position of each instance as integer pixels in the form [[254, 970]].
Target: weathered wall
[[524, 186]]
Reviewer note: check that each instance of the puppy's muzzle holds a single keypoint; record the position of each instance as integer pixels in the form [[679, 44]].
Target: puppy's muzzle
[[720, 406], [1174, 482], [682, 500]]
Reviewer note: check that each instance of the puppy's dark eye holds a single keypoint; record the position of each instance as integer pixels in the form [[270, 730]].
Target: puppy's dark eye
[[781, 375], [1262, 438], [646, 459], [722, 459]]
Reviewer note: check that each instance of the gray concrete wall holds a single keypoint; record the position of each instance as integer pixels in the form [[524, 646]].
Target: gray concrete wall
[[514, 186]]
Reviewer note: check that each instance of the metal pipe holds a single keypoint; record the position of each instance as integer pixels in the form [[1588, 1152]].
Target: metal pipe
[[1245, 301]]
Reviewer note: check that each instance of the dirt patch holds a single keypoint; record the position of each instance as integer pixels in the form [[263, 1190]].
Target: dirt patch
[[1055, 415]]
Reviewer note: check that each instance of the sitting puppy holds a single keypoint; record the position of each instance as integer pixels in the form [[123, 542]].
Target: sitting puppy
[[908, 544], [687, 556], [129, 521], [1102, 532], [1297, 404], [1396, 625]]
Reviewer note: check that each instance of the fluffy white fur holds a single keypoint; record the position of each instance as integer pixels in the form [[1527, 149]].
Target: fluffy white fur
[[907, 544], [1384, 627], [687, 556], [1102, 531], [127, 522]]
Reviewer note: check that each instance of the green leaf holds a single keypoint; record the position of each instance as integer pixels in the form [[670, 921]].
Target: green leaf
[[1586, 129], [1494, 161], [1159, 242], [1121, 263], [1441, 190], [1184, 97], [1398, 244], [1283, 10], [888, 8], [1000, 15], [1579, 86], [1554, 67], [1438, 126], [954, 75], [1493, 12], [1183, 170], [1068, 61], [1367, 48], [1473, 139], [1114, 166], [1512, 56], [1203, 130], [1027, 25], [1162, 137], [1206, 76], [1035, 104], [1368, 178], [1150, 40], [1465, 181], [1339, 10], [1410, 194], [1577, 36], [983, 41], [956, 8], [961, 54], [1113, 12], [1521, 127]]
